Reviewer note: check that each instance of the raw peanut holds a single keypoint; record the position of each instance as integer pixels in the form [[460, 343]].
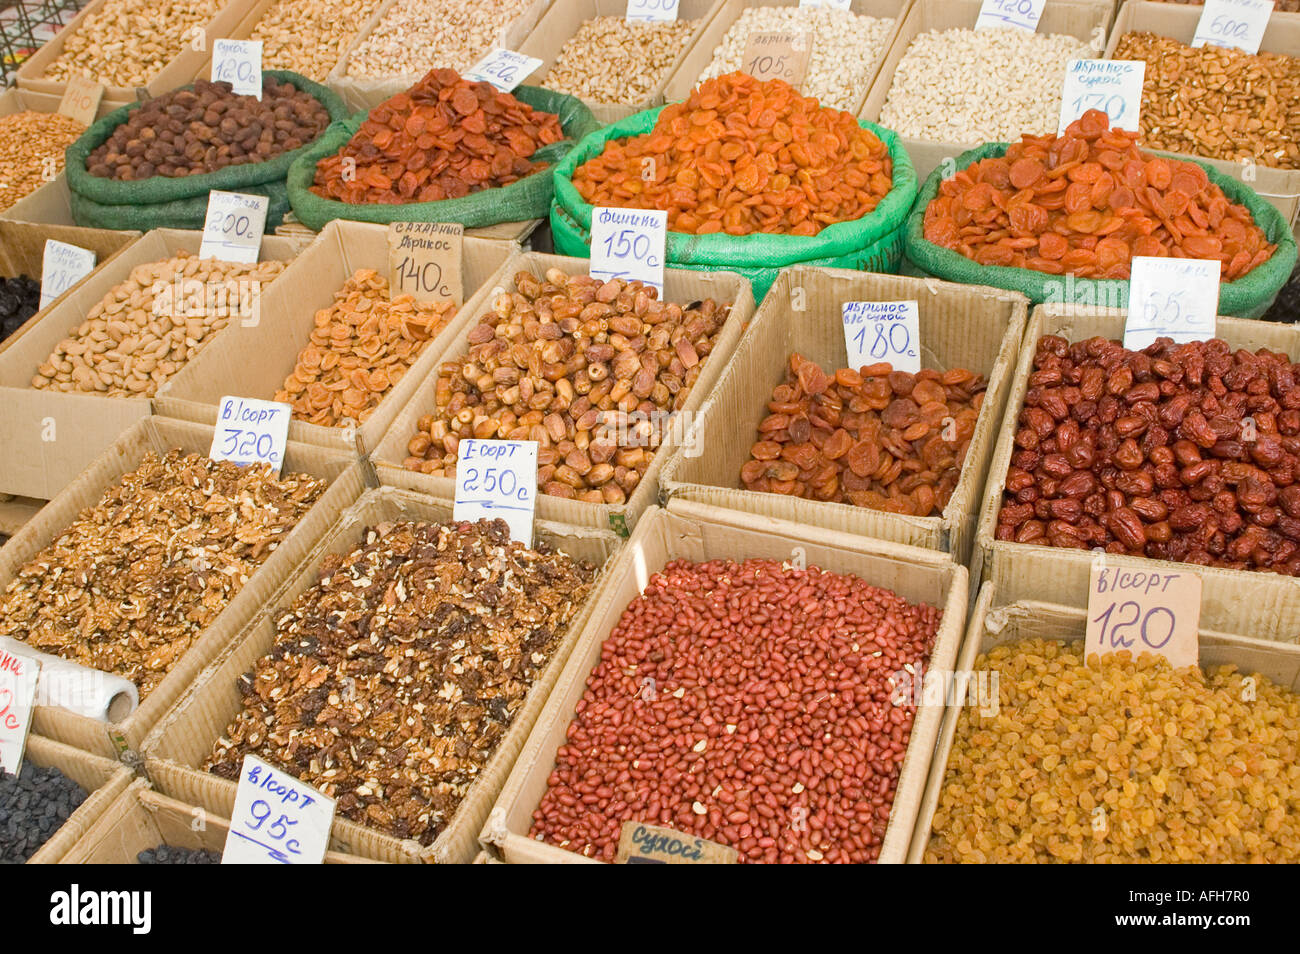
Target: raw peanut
[[416, 36], [32, 147], [310, 36], [613, 60]]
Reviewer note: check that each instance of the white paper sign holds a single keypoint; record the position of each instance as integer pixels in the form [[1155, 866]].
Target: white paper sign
[[497, 480], [504, 69], [239, 63], [876, 331], [652, 10], [1236, 23], [629, 243], [1017, 14], [1171, 298], [62, 266], [1113, 86], [277, 819], [233, 229], [833, 4], [18, 675], [250, 431]]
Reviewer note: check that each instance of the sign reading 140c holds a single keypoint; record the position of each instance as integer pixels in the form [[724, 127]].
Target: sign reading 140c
[[1143, 611], [497, 480], [232, 232], [424, 260], [277, 820], [876, 331], [629, 243]]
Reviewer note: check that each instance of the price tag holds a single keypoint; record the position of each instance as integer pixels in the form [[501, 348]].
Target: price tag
[[1016, 14], [504, 69], [424, 260], [239, 63], [250, 431], [1143, 611], [876, 331], [18, 675], [277, 820], [81, 99], [831, 4], [1113, 86], [497, 479], [782, 56], [233, 229], [641, 844], [1239, 24], [62, 266], [1174, 298], [629, 243], [652, 10]]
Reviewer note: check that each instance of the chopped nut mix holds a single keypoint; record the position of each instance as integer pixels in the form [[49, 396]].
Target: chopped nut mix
[[134, 581], [393, 679]]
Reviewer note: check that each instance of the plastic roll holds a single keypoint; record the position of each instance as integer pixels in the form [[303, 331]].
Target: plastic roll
[[79, 689]]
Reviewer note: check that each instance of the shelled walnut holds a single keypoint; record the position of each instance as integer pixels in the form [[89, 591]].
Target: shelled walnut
[[394, 678]]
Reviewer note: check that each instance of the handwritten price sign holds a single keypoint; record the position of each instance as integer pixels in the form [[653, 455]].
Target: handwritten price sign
[[1174, 298], [782, 56], [62, 266], [277, 819], [424, 260], [1019, 14], [629, 243], [1234, 23], [1143, 612], [876, 331], [81, 99], [1113, 86], [232, 231], [18, 676], [831, 4], [652, 10], [239, 63], [497, 480], [504, 69], [250, 431]]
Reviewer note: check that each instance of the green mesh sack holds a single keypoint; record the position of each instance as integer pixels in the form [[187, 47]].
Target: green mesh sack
[[875, 238], [1247, 297], [529, 198], [160, 190], [177, 214]]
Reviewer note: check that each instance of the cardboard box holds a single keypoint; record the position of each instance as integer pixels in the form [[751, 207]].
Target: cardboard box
[[1178, 21], [996, 621], [962, 326], [50, 437], [1088, 20], [1261, 605], [184, 738], [140, 819], [161, 435], [685, 77], [22, 252], [16, 512], [370, 92], [181, 69], [517, 232], [699, 532], [254, 362], [679, 286], [561, 24], [103, 779]]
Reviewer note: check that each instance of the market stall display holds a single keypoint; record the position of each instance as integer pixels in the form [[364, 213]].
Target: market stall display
[[31, 151]]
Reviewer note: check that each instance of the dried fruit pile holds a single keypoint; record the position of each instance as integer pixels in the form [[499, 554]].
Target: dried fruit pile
[[20, 298], [1120, 761], [742, 156], [875, 438], [168, 855], [443, 138], [394, 678], [1085, 203], [34, 804]]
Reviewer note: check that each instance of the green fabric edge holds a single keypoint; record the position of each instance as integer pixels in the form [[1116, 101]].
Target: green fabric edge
[[190, 213], [521, 200], [1247, 297], [719, 250], [158, 189]]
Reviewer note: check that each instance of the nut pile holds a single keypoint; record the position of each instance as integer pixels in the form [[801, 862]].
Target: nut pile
[[361, 347], [1120, 761], [1218, 102], [394, 678], [874, 438], [167, 855], [1085, 203], [34, 804], [20, 298], [973, 86], [844, 48], [443, 138], [32, 147], [740, 156], [128, 42], [748, 704], [134, 581], [310, 36], [612, 60], [190, 132], [145, 329], [571, 362], [416, 36], [1184, 452]]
